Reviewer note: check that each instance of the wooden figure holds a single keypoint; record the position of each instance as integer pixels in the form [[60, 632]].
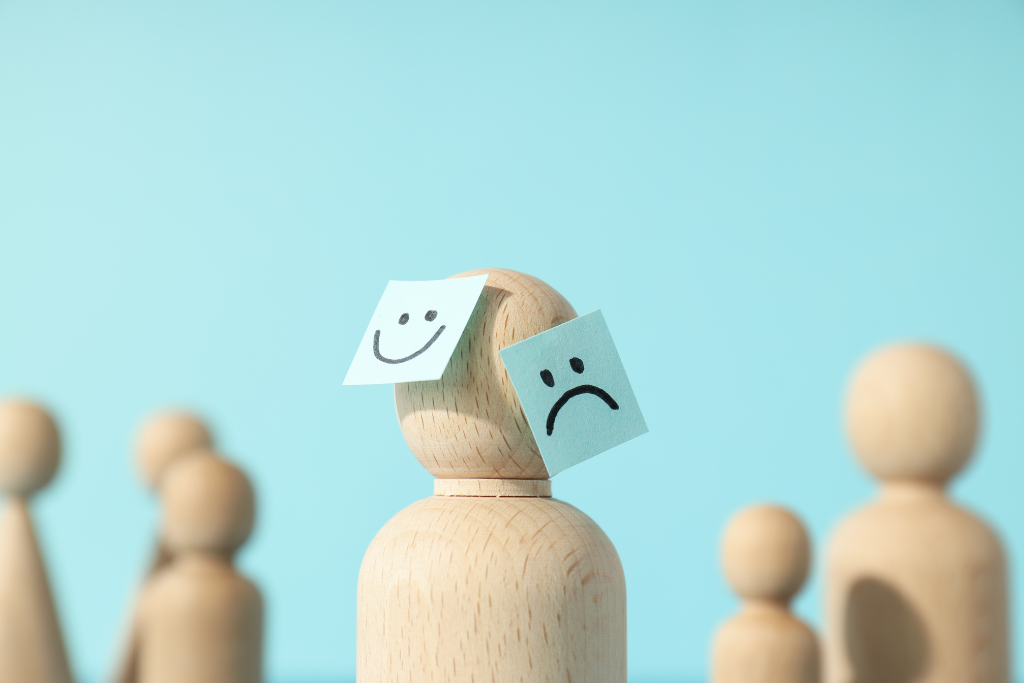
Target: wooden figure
[[31, 644], [765, 555], [163, 439], [491, 579], [199, 620], [915, 586]]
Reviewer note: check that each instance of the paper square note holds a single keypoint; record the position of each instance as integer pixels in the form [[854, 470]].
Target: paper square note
[[574, 391], [415, 330]]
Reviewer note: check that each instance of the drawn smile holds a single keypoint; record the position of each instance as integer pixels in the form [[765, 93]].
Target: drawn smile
[[572, 393], [376, 346]]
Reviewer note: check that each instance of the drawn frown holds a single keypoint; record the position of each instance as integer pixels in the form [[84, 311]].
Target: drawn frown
[[402, 320], [577, 366], [589, 426]]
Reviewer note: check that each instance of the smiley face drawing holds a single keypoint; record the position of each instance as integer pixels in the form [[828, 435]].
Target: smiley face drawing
[[414, 330], [577, 366], [403, 320], [583, 403]]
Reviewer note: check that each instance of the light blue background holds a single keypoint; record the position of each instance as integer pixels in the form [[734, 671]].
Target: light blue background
[[201, 203], [585, 425]]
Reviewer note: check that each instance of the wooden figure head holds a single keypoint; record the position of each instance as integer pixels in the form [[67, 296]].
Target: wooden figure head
[[766, 553], [469, 424], [29, 447], [912, 414], [166, 436], [209, 506]]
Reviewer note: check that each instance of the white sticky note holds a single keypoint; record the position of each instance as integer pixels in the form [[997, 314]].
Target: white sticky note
[[415, 330], [574, 391]]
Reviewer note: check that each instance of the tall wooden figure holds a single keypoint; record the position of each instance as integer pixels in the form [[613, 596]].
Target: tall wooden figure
[[491, 579], [915, 586], [766, 554], [31, 644], [199, 620], [163, 440]]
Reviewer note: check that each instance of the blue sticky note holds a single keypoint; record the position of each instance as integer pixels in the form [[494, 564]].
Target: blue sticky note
[[415, 330], [574, 391]]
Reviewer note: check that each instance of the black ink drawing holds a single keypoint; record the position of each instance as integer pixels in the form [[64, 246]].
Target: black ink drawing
[[577, 366]]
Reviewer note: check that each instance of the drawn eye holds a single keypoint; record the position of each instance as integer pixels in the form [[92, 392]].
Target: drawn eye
[[547, 377], [431, 314], [403, 319], [577, 365]]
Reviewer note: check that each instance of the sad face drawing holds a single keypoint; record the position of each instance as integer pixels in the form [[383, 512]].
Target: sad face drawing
[[582, 403], [582, 390]]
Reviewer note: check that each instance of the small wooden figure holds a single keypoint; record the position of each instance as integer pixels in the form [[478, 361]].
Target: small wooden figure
[[31, 644], [765, 555], [199, 620], [915, 585], [163, 439], [491, 579]]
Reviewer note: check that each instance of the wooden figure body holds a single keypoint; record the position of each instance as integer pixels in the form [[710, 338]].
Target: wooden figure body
[[766, 556], [199, 620], [491, 579], [915, 586], [163, 439], [31, 644]]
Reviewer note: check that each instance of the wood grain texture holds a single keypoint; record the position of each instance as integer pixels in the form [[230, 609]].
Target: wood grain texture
[[491, 590], [766, 557], [486, 582], [469, 424], [916, 587]]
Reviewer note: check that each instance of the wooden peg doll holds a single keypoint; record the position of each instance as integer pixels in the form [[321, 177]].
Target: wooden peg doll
[[766, 555], [490, 579], [163, 439], [915, 585], [199, 620], [31, 644]]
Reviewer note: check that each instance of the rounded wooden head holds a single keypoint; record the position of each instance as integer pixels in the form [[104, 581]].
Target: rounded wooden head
[[469, 424], [766, 553], [912, 414], [29, 447], [208, 506], [165, 437]]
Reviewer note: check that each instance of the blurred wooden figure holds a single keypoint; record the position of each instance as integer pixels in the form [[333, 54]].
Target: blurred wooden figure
[[766, 555], [915, 586], [491, 579], [31, 644], [163, 440], [199, 620]]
